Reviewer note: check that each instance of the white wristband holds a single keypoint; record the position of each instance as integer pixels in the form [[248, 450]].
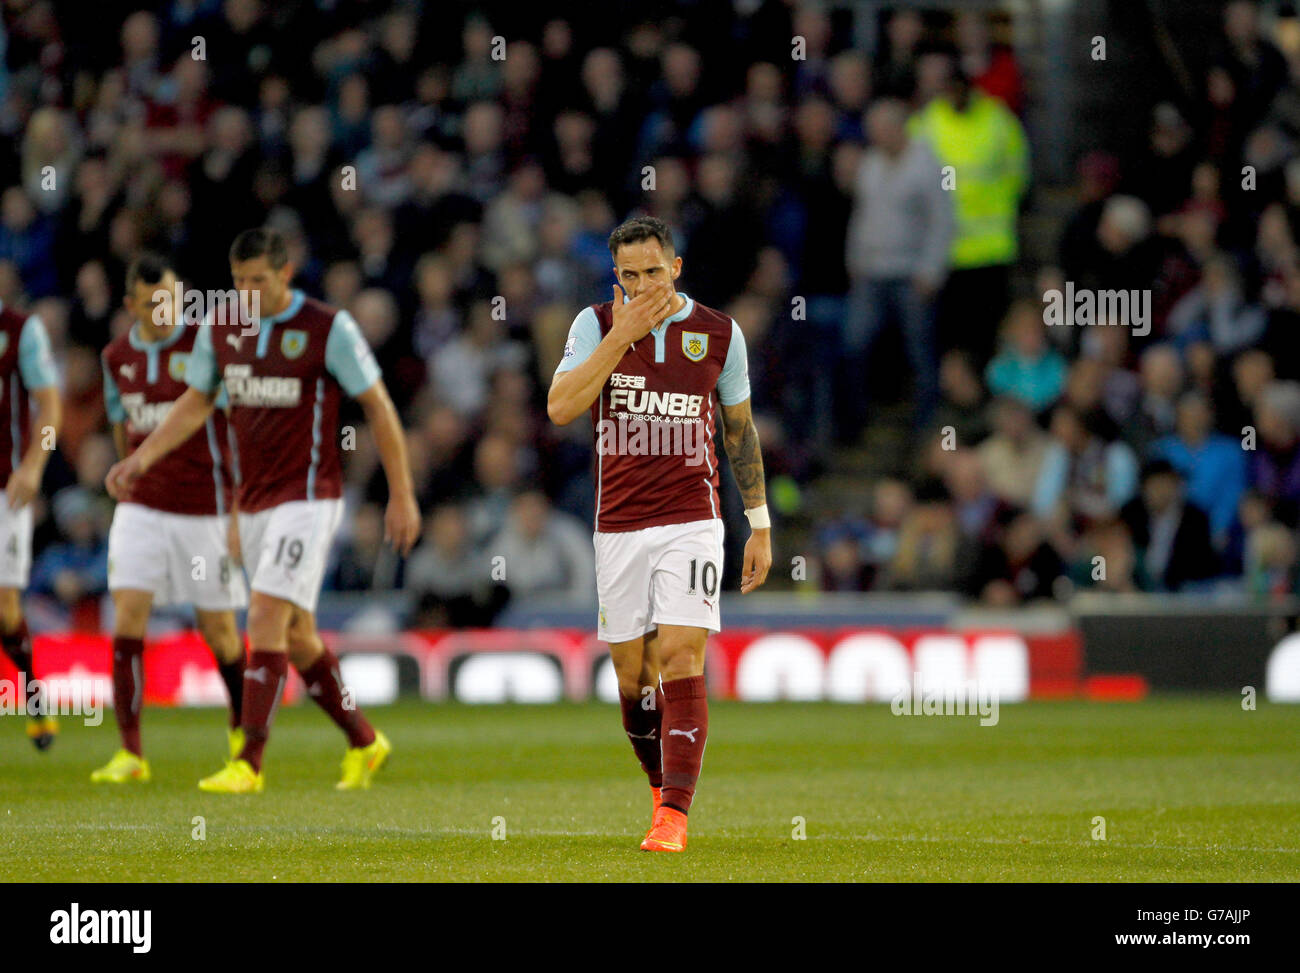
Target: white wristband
[[758, 517]]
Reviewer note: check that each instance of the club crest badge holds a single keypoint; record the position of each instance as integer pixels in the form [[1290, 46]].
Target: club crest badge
[[176, 366], [695, 345], [293, 343]]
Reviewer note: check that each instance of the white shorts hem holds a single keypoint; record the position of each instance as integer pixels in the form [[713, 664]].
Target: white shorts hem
[[687, 622]]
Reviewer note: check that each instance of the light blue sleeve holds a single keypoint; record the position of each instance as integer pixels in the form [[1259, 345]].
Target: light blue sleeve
[[201, 369], [584, 336], [733, 383], [35, 361], [348, 356], [112, 397]]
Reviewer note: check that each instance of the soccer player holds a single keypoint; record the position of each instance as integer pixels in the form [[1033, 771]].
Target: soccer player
[[167, 544], [26, 372], [649, 365], [284, 374]]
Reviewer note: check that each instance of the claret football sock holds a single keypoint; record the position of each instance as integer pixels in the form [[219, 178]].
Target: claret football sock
[[325, 687], [232, 674], [128, 689], [642, 726], [685, 730], [263, 682], [18, 646]]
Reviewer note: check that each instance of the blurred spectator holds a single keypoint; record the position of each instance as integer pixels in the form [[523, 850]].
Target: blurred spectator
[[980, 512], [840, 557], [1012, 455], [1020, 566], [75, 571], [1027, 368], [981, 138], [1281, 338], [1216, 310], [891, 503], [894, 73], [451, 576], [1162, 179], [1255, 68], [1104, 559], [1161, 380], [363, 561], [899, 236], [1171, 536], [1098, 175], [461, 369], [931, 552], [27, 239], [1213, 465], [544, 551], [962, 405], [1083, 479], [991, 67], [1271, 561], [1275, 463]]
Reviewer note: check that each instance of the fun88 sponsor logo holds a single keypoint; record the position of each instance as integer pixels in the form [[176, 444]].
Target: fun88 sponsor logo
[[144, 415], [629, 395], [247, 389]]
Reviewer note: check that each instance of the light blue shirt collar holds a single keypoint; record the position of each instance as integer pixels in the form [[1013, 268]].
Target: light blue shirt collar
[[296, 298], [139, 343], [267, 324], [681, 315]]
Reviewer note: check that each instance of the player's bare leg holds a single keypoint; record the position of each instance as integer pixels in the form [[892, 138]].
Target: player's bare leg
[[265, 674], [221, 634], [642, 704], [131, 608], [16, 642], [368, 750], [679, 657]]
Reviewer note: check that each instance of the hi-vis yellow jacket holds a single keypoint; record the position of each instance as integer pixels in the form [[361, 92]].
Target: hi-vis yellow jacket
[[986, 148]]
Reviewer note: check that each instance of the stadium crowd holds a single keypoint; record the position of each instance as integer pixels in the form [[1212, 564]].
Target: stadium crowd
[[450, 175]]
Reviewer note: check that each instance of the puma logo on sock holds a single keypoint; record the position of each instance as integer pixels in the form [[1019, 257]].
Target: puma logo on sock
[[642, 736], [689, 734]]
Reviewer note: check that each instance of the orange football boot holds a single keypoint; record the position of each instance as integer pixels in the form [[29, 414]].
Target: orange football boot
[[667, 832], [656, 798]]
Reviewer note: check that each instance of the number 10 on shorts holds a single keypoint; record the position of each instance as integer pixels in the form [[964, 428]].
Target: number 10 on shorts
[[708, 575]]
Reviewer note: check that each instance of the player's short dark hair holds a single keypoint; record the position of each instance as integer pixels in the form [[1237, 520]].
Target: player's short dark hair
[[261, 242], [639, 229], [148, 267]]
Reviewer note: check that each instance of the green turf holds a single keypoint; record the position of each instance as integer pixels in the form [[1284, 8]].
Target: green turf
[[1192, 789]]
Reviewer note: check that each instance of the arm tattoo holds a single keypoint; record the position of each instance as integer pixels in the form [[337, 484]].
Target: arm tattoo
[[747, 463]]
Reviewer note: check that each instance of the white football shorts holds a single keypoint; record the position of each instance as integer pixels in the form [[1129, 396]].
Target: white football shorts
[[15, 545], [670, 575], [181, 558], [286, 547]]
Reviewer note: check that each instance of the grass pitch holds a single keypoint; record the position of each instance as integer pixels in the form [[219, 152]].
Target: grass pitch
[[1191, 789]]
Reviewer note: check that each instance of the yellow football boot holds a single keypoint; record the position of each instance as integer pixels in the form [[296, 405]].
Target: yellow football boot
[[123, 768]]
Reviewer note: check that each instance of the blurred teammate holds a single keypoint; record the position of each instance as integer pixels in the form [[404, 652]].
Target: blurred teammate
[[26, 370], [285, 374], [167, 544], [650, 365]]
